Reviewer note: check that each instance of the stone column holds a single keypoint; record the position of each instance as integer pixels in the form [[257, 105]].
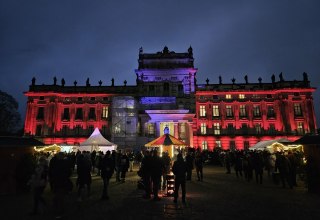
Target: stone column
[[189, 127], [176, 130]]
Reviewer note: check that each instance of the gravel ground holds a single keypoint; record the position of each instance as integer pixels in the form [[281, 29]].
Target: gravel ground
[[219, 196]]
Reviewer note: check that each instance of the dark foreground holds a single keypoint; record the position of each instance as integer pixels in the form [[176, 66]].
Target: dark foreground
[[219, 196]]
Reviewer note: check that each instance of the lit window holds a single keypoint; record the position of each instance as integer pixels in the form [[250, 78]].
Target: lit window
[[203, 128], [297, 109], [271, 111], [215, 111], [218, 144], [40, 115], [150, 128], [92, 113], [300, 129], [216, 128], [105, 112], [117, 128], [204, 145], [79, 114], [202, 111], [272, 129], [66, 114], [229, 112], [228, 96], [258, 128], [256, 111], [242, 96], [243, 112]]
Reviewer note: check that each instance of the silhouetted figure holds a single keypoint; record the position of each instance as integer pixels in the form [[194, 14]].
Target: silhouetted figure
[[63, 82], [233, 80], [84, 167], [220, 80], [38, 183], [179, 169], [125, 83], [146, 174], [75, 83], [124, 166], [54, 81], [238, 164], [156, 172], [190, 162], [273, 78], [33, 81], [166, 160], [107, 169], [198, 162], [207, 80], [112, 82], [87, 82], [246, 79], [283, 165], [100, 82], [60, 172]]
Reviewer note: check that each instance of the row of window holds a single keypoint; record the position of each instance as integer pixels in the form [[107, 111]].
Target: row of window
[[66, 131], [232, 145], [79, 113], [243, 111], [243, 96], [257, 127]]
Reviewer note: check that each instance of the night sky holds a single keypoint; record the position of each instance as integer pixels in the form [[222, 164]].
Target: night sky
[[100, 39]]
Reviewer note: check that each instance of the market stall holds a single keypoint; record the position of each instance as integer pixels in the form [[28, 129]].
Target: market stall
[[97, 142]]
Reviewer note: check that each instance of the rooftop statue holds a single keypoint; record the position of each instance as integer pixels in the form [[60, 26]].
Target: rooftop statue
[[63, 82], [273, 78], [305, 77], [281, 77], [33, 81]]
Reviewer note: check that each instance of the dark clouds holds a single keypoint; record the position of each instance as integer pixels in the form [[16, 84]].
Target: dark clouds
[[100, 39]]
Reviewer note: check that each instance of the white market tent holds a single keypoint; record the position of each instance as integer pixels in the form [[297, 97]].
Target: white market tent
[[271, 145], [97, 142]]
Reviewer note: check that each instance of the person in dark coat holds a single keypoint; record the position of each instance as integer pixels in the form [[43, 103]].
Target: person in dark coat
[[156, 172], [179, 170], [238, 164], [84, 167], [145, 171], [107, 169], [60, 172], [190, 162], [38, 183], [117, 158], [166, 160], [199, 165], [124, 166], [258, 165], [284, 166]]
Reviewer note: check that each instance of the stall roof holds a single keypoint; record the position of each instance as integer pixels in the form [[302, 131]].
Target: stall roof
[[7, 141]]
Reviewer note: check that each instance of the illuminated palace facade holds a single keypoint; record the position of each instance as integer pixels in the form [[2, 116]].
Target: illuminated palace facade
[[227, 115]]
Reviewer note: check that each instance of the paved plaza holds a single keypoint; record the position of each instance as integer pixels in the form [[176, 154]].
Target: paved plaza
[[219, 196]]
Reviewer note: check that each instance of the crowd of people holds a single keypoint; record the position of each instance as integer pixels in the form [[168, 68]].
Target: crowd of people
[[280, 166], [56, 171]]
